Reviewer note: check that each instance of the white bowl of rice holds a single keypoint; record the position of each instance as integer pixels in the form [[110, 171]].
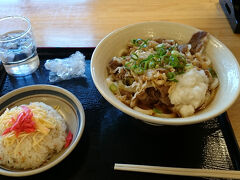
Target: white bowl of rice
[[39, 126], [166, 73]]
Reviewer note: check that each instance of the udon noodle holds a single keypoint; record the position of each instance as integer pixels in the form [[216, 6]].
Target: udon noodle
[[160, 77]]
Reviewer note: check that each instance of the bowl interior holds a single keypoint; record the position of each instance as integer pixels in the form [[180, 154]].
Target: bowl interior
[[66, 103], [224, 63]]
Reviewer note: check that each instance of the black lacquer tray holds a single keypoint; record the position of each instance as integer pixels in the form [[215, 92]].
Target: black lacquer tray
[[110, 136]]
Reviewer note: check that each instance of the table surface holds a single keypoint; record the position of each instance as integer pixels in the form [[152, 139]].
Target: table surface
[[83, 23]]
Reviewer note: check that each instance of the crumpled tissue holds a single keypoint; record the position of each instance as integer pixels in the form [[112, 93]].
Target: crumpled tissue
[[67, 68]]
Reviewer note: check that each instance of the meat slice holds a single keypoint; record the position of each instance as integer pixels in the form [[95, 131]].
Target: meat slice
[[149, 97], [153, 95], [126, 93], [164, 95], [197, 41], [120, 74], [113, 64], [183, 48], [159, 40]]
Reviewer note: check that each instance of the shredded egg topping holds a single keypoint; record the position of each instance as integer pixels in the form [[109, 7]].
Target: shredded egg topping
[[44, 123]]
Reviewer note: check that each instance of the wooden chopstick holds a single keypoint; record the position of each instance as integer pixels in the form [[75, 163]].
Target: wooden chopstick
[[232, 174]]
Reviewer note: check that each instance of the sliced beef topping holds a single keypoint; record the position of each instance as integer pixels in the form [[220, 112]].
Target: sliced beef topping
[[159, 40], [197, 41], [113, 64], [164, 95], [126, 93], [120, 74], [150, 97], [183, 48]]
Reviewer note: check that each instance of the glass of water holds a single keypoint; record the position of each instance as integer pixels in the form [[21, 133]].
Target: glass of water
[[17, 46]]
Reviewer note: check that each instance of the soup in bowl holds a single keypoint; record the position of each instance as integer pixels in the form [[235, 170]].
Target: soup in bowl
[[165, 73]]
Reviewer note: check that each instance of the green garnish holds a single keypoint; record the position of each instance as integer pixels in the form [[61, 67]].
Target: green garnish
[[143, 64], [140, 43], [168, 58], [161, 50], [173, 61], [134, 56], [213, 73], [172, 48], [188, 66], [128, 65], [157, 111], [151, 64], [174, 52], [171, 76], [138, 70], [135, 41], [113, 88], [144, 44]]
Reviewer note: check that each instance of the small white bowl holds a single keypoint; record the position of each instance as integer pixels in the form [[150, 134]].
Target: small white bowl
[[69, 107], [223, 61]]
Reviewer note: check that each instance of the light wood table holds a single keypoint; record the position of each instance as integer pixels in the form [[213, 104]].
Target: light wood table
[[83, 23]]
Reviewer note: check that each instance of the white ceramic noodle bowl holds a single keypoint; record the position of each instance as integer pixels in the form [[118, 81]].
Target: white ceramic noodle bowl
[[223, 60]]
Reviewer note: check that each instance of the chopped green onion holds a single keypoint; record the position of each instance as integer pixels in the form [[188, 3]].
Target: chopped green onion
[[213, 73], [188, 66], [150, 57], [157, 56], [141, 43], [161, 51], [180, 72], [174, 52], [142, 63], [172, 48], [171, 76], [138, 70], [128, 65], [151, 64], [145, 65], [133, 66], [174, 62], [136, 42], [157, 111], [113, 88], [134, 56], [166, 59]]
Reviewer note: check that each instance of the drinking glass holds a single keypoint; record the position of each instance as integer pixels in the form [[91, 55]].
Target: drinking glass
[[17, 46]]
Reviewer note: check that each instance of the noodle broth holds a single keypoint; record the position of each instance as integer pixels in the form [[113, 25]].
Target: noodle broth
[[162, 78]]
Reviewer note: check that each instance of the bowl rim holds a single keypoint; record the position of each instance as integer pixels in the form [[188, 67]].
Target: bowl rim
[[69, 149], [157, 120]]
